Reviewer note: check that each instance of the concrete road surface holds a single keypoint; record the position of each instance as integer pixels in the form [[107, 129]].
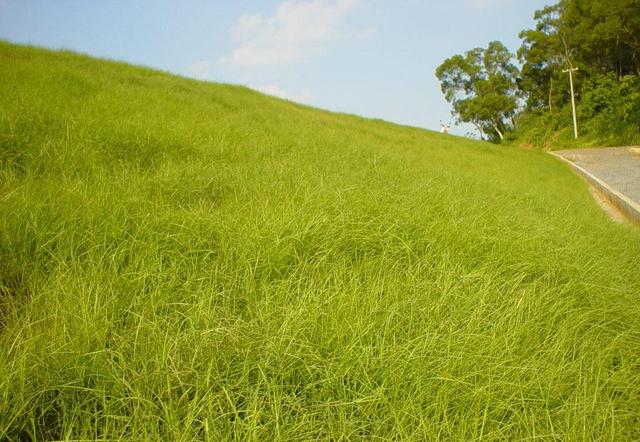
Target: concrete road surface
[[618, 168]]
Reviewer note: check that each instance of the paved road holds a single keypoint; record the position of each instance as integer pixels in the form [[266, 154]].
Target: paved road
[[616, 171], [619, 167]]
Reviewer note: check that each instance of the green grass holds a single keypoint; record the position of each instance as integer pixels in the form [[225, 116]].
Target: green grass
[[555, 132], [183, 260]]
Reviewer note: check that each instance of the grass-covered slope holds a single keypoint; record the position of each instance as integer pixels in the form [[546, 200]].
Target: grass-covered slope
[[183, 260]]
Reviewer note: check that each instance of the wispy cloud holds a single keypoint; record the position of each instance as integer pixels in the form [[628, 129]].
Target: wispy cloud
[[200, 69], [276, 91], [487, 3], [297, 30]]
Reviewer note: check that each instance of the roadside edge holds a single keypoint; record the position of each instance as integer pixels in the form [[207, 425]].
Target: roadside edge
[[629, 208]]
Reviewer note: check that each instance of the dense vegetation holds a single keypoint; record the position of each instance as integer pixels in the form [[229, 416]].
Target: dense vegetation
[[183, 260], [600, 38]]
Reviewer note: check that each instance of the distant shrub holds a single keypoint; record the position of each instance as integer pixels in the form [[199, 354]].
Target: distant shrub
[[610, 108], [608, 112]]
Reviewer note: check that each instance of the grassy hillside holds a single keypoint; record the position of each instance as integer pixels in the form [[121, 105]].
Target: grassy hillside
[[183, 260], [555, 132]]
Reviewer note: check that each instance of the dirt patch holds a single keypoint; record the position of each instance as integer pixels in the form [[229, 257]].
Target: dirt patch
[[606, 205]]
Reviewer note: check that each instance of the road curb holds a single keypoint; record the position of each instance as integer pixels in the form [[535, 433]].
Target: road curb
[[623, 203]]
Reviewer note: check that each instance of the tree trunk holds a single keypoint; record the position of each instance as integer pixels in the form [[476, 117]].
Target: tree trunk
[[619, 73], [495, 126], [479, 130], [550, 95]]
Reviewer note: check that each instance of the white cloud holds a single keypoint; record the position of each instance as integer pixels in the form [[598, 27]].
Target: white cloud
[[298, 29], [199, 69], [366, 33], [276, 91], [487, 3]]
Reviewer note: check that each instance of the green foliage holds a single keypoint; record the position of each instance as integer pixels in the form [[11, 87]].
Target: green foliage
[[541, 55], [608, 114], [610, 106], [186, 261], [630, 100], [603, 40], [600, 97], [481, 85], [604, 35]]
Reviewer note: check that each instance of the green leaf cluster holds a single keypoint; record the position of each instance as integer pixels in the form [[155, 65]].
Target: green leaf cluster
[[601, 39], [481, 86]]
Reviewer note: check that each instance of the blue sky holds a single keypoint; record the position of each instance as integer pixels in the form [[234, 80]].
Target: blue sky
[[374, 58]]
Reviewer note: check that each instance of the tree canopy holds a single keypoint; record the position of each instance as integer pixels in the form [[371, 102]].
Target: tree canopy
[[481, 86], [601, 38]]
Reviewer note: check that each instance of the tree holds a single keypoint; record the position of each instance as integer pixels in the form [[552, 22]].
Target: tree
[[541, 53], [606, 33], [603, 36], [481, 86]]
